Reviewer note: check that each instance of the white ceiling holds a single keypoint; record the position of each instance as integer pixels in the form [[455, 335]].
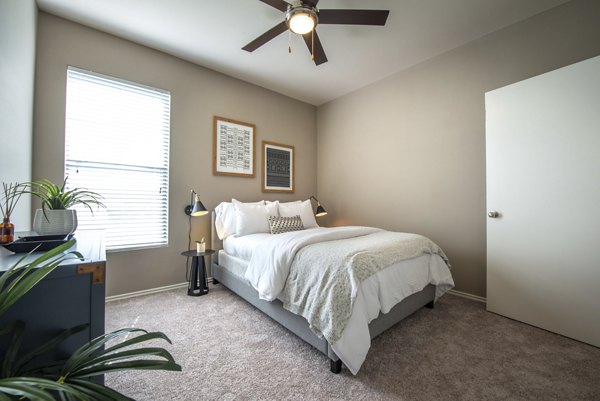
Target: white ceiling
[[211, 33]]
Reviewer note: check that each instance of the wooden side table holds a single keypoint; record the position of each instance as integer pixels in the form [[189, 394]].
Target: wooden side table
[[198, 284]]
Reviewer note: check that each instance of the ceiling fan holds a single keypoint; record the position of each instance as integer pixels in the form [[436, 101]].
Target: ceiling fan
[[302, 17]]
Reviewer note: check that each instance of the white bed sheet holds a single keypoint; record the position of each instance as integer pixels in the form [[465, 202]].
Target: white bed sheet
[[242, 247], [232, 264]]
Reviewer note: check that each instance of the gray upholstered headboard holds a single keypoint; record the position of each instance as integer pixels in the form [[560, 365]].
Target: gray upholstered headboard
[[215, 242]]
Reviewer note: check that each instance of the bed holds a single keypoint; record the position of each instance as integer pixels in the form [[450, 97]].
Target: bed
[[288, 275]]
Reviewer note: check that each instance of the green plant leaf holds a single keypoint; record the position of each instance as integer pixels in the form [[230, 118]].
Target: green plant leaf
[[145, 352], [97, 391], [28, 275], [96, 344], [57, 198], [17, 329], [12, 270], [23, 281], [157, 335], [34, 388], [139, 364], [26, 391], [131, 359], [28, 388], [45, 347], [92, 359]]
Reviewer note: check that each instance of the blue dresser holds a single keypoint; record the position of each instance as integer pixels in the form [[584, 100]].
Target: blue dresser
[[73, 294]]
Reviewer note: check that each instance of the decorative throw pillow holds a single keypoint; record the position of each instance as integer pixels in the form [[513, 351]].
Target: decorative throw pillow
[[281, 225]]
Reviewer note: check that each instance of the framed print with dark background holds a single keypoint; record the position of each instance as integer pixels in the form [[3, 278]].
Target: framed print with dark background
[[233, 147], [278, 167]]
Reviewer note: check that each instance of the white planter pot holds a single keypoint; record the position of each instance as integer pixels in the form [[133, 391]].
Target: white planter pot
[[55, 222], [200, 247]]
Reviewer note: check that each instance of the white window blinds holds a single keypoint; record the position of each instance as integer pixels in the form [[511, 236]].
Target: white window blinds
[[117, 144]]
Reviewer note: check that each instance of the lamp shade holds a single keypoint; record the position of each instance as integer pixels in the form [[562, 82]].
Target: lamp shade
[[198, 208], [195, 208], [320, 209]]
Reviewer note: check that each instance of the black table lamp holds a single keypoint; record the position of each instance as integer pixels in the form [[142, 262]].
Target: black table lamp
[[320, 209]]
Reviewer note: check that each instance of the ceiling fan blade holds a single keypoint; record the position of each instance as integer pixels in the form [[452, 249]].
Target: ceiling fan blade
[[319, 53], [278, 4], [311, 2], [353, 17], [265, 37]]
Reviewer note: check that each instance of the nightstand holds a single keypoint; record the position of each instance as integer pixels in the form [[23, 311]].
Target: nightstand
[[198, 284]]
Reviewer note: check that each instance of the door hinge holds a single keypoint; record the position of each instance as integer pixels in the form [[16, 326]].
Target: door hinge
[[96, 270]]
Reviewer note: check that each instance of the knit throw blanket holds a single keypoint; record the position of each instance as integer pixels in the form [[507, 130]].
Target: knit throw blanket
[[325, 277]]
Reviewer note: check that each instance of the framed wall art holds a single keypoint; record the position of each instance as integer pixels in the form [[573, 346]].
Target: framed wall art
[[278, 167], [233, 147]]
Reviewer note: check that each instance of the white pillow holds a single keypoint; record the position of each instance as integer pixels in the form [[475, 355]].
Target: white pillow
[[226, 220], [252, 219], [302, 209]]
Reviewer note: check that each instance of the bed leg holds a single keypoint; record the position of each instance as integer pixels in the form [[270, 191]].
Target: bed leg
[[429, 305], [335, 366]]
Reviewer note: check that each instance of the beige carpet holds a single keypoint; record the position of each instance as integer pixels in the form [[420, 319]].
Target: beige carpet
[[457, 351]]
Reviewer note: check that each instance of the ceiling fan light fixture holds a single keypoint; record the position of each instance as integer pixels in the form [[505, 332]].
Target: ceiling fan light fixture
[[301, 20]]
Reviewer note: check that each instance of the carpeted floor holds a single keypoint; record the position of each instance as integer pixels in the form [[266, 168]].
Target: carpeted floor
[[457, 351]]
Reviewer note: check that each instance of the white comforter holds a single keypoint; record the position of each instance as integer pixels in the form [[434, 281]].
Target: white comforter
[[270, 265]]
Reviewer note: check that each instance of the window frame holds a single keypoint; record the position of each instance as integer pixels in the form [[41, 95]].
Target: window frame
[[161, 175]]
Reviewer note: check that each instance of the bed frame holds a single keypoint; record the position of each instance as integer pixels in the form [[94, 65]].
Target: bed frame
[[296, 323]]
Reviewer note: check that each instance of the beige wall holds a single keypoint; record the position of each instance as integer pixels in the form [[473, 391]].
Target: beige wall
[[17, 68], [197, 94], [408, 152]]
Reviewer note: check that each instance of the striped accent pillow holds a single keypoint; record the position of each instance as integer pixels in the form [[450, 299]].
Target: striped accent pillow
[[281, 225]]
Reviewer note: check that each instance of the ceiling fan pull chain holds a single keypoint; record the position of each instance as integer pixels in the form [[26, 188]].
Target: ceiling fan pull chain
[[289, 41]]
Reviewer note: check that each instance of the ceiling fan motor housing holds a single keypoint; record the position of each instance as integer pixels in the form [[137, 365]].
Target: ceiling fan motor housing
[[298, 18]]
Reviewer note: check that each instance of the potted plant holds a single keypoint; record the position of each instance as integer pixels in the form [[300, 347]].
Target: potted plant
[[200, 246], [55, 217], [10, 196], [69, 379]]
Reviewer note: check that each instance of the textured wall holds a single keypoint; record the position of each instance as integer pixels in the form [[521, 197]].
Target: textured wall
[[408, 152], [197, 94]]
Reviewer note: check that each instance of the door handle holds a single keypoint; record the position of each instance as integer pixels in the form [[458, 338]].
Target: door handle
[[493, 214]]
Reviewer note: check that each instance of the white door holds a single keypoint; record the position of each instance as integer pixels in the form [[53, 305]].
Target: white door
[[543, 179]]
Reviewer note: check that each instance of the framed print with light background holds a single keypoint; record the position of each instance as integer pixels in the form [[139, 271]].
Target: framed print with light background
[[233, 147], [278, 167]]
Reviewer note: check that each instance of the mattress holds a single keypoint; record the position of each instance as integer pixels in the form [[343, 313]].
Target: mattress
[[233, 264]]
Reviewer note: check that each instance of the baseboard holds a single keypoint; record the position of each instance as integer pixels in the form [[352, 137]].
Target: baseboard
[[145, 292], [183, 285], [468, 296]]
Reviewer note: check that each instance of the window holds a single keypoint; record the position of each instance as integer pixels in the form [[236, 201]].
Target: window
[[117, 144]]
